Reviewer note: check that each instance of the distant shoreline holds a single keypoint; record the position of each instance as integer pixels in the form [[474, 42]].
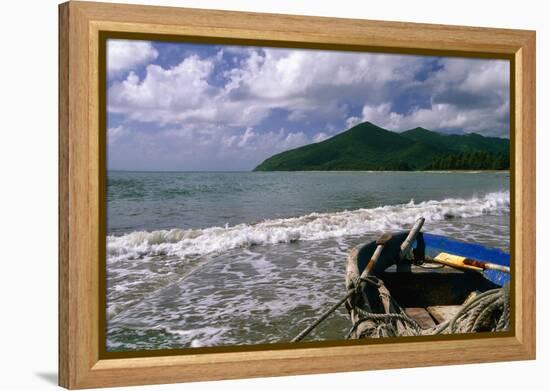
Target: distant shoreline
[[371, 171], [367, 146]]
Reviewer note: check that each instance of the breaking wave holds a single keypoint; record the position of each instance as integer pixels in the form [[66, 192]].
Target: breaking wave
[[315, 226]]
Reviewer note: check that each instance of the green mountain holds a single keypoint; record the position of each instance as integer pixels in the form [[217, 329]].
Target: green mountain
[[459, 143], [370, 147]]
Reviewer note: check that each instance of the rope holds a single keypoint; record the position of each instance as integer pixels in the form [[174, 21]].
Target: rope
[[387, 319], [489, 311]]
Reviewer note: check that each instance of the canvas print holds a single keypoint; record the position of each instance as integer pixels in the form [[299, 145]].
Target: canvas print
[[259, 195]]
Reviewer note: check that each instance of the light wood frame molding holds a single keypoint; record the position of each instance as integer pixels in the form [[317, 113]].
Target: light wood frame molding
[[81, 163]]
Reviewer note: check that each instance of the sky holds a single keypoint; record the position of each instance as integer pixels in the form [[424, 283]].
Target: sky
[[191, 107]]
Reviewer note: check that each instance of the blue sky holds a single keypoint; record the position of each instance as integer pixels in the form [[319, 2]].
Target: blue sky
[[176, 106]]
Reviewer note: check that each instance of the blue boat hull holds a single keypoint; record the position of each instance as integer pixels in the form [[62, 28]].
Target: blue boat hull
[[436, 244]]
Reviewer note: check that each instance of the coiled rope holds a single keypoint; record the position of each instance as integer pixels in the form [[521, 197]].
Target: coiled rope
[[489, 311]]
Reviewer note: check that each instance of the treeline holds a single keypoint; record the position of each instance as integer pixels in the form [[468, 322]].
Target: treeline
[[471, 161]]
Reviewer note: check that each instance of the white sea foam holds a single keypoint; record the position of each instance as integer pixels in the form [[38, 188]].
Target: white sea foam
[[315, 226]]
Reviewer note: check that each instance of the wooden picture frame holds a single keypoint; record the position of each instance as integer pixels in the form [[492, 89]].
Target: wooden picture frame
[[82, 162]]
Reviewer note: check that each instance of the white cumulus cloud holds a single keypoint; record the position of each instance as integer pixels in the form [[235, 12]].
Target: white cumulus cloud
[[302, 82], [465, 96], [124, 55], [232, 108]]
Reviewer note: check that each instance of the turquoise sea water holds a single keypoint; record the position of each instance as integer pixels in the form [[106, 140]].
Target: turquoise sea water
[[209, 259]]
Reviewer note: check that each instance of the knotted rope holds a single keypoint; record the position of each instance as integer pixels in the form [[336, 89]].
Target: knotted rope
[[489, 311]]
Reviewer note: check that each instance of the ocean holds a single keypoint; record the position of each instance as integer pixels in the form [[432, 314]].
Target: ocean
[[239, 258]]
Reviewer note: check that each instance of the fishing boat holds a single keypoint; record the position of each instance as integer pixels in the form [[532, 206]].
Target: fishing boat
[[415, 283]]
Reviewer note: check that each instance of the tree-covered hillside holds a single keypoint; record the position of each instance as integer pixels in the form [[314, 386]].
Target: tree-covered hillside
[[370, 147]]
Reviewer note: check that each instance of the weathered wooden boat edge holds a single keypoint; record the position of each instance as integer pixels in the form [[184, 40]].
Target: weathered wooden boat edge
[[373, 303]]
